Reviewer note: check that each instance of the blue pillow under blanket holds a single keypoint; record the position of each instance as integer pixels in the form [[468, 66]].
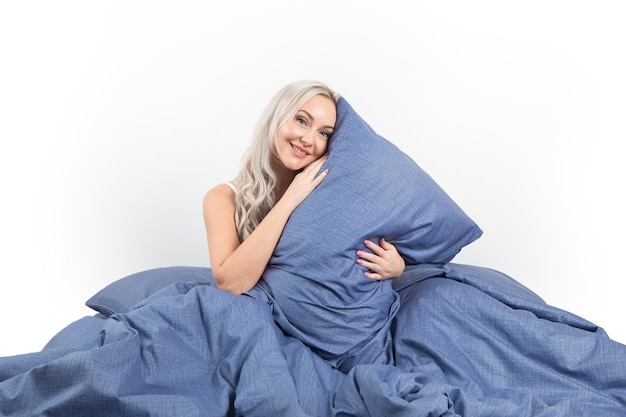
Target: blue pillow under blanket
[[372, 190], [121, 295]]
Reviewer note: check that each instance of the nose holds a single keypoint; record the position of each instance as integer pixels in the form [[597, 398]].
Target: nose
[[307, 138]]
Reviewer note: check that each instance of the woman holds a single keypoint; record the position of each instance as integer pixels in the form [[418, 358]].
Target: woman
[[244, 218]]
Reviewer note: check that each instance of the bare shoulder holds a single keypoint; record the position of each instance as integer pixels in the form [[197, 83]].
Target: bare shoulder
[[218, 208], [220, 195], [221, 190]]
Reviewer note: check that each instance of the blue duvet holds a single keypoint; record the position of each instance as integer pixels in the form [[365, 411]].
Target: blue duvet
[[466, 341]]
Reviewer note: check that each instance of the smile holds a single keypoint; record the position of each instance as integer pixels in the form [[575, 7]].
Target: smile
[[298, 151]]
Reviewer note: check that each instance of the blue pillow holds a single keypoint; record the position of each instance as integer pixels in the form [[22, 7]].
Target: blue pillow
[[372, 190], [124, 293]]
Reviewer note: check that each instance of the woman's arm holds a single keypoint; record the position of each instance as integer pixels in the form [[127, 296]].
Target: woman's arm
[[236, 266], [383, 262]]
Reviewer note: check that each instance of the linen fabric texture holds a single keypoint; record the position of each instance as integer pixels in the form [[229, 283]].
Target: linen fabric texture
[[124, 293], [373, 190]]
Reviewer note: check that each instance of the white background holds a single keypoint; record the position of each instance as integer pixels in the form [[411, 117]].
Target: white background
[[116, 117]]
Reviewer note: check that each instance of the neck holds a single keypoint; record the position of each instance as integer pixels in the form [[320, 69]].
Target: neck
[[284, 177]]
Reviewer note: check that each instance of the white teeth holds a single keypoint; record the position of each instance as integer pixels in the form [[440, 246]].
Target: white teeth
[[298, 151]]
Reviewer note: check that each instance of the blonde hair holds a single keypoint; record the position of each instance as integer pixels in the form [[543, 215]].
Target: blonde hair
[[256, 181]]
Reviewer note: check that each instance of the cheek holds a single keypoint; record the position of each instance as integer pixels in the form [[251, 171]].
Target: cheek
[[280, 139], [286, 131], [321, 147]]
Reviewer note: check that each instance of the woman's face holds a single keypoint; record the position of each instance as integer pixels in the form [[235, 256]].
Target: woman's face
[[304, 138]]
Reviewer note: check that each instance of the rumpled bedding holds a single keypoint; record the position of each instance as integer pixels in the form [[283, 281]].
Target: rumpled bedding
[[466, 341]]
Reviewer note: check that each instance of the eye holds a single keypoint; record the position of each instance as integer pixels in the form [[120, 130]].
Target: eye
[[325, 135], [301, 120]]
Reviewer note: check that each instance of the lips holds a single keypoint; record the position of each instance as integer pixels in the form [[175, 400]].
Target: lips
[[299, 151]]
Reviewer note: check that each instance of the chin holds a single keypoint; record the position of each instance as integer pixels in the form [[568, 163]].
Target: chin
[[298, 165]]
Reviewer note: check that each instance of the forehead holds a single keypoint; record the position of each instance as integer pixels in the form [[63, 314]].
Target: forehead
[[322, 109]]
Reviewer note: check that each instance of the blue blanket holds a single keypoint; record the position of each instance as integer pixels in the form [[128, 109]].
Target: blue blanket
[[467, 341]]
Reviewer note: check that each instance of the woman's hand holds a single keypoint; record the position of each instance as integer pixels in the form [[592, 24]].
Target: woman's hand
[[304, 183], [383, 262]]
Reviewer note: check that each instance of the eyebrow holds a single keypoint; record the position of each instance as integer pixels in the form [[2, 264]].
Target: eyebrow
[[313, 118]]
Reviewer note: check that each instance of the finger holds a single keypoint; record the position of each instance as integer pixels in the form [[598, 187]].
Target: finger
[[370, 266], [312, 168], [374, 247], [309, 172], [370, 257], [321, 176], [318, 163], [313, 174], [385, 245], [374, 276]]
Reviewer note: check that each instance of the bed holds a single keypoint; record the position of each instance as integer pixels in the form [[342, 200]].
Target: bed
[[316, 338]]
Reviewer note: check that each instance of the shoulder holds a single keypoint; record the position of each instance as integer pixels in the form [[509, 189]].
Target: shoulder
[[218, 211], [219, 194], [225, 187]]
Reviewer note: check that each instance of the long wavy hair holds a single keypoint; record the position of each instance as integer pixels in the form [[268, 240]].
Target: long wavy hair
[[256, 182]]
